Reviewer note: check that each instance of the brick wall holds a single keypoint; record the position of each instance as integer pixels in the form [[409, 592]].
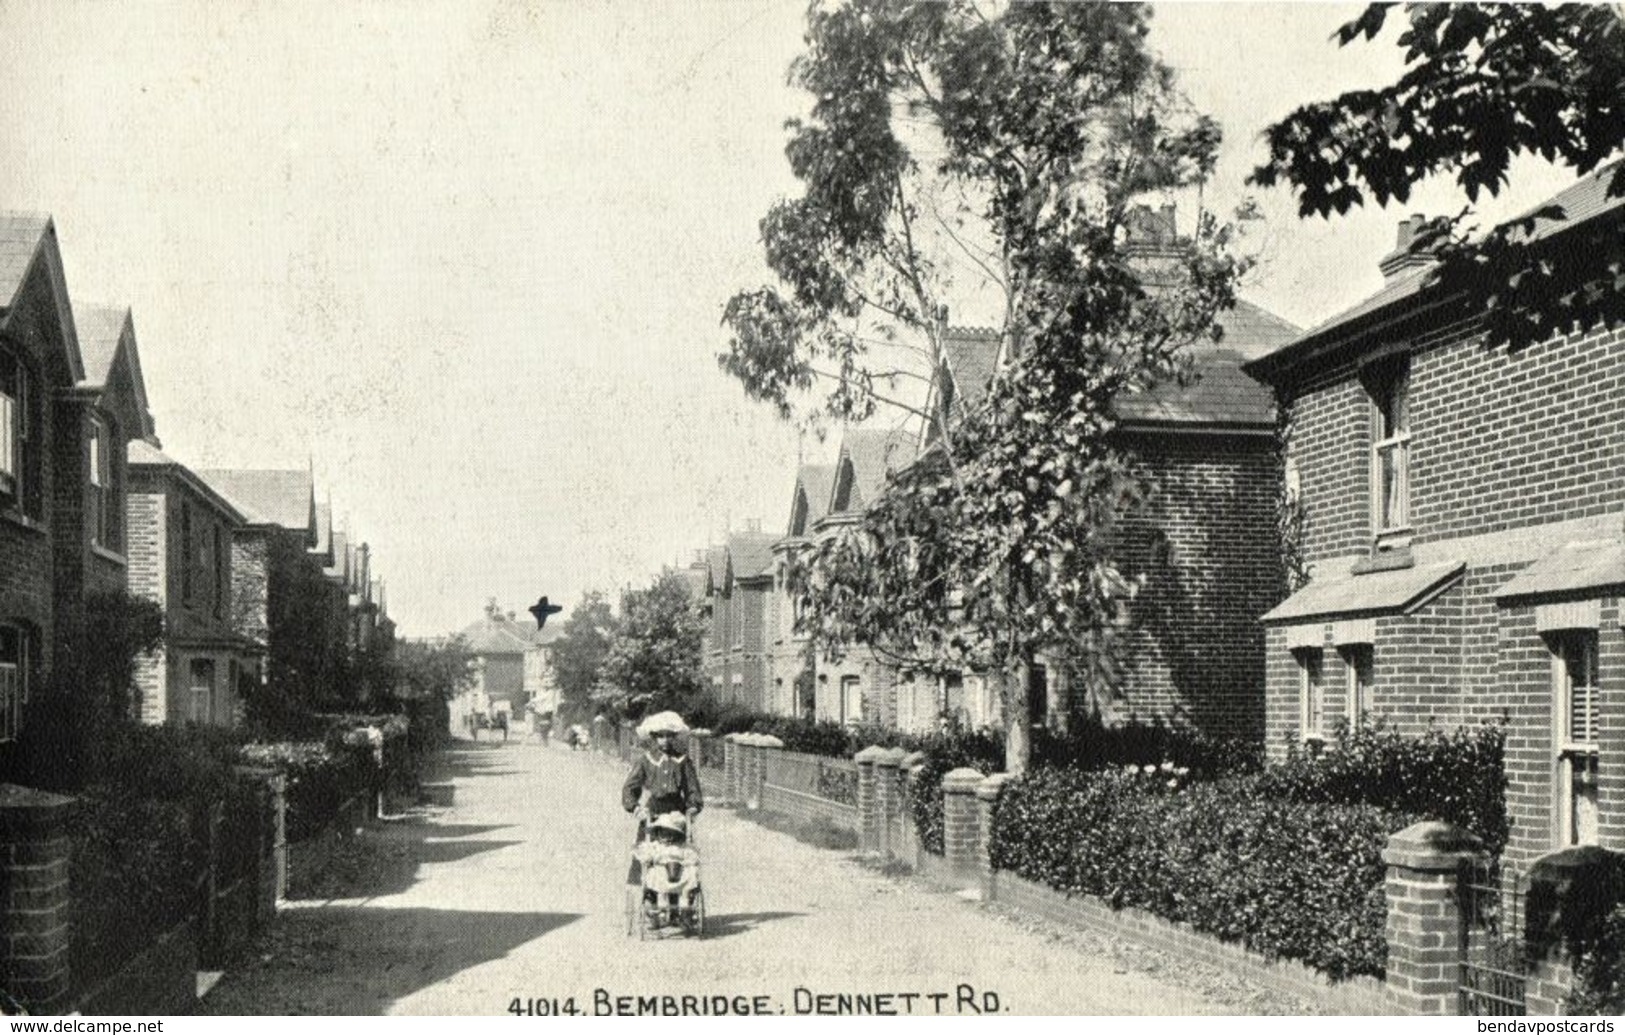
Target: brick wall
[[148, 536], [1205, 544]]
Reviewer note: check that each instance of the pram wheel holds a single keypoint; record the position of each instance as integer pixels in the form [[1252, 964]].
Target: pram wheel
[[694, 925]]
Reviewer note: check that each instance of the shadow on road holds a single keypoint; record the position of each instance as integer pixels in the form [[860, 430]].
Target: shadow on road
[[724, 924], [382, 859], [359, 960]]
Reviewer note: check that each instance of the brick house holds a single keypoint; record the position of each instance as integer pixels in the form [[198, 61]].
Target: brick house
[[739, 590], [859, 687], [499, 645], [1463, 529], [67, 409], [791, 674], [181, 545], [281, 593]]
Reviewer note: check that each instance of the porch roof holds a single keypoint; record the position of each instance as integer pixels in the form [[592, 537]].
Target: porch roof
[[1571, 568], [1378, 592]]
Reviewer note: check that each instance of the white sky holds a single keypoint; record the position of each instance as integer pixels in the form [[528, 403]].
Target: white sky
[[468, 257]]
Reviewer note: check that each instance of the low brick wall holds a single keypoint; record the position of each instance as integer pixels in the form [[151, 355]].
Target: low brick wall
[[1358, 996]]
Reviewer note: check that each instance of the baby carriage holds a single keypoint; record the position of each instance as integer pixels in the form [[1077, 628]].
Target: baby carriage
[[669, 897]]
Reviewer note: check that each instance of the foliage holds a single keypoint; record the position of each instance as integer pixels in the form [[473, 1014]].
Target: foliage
[[1457, 776], [119, 628], [1484, 83], [1599, 988], [579, 653], [654, 662], [432, 669], [1296, 880], [319, 779], [948, 145], [956, 748]]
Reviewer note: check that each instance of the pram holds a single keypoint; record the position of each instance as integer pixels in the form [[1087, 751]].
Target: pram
[[669, 896]]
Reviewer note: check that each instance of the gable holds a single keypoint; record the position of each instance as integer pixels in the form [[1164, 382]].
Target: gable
[[35, 314]]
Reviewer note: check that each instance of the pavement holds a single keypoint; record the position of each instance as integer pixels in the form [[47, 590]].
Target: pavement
[[511, 900]]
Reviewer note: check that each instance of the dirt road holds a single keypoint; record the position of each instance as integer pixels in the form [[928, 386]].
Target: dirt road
[[515, 893]]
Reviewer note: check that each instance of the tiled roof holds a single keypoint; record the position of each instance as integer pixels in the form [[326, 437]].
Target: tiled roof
[[324, 527], [493, 636], [716, 559], [751, 553], [1587, 199], [816, 482], [142, 453], [1570, 568], [275, 497], [874, 452], [973, 356], [1219, 393], [694, 577], [20, 234]]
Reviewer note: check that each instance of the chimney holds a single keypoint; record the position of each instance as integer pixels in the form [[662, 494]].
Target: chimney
[[1402, 260]]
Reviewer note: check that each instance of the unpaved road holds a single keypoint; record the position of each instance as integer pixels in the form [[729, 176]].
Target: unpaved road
[[515, 892]]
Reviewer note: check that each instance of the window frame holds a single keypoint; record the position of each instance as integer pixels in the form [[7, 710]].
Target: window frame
[[188, 554], [99, 477], [1359, 659], [1388, 386], [1570, 747], [15, 672], [1311, 694], [195, 692], [15, 430], [852, 685]]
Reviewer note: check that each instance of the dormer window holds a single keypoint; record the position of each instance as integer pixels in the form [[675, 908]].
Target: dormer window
[[1389, 385]]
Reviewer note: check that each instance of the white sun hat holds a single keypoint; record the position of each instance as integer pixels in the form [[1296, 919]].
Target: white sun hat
[[662, 722]]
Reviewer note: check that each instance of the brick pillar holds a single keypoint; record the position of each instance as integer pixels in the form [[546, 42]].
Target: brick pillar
[[730, 768], [869, 815], [987, 796], [699, 744], [1547, 991], [961, 824], [271, 799], [34, 852], [745, 744], [766, 746], [909, 850], [889, 798], [1424, 916]]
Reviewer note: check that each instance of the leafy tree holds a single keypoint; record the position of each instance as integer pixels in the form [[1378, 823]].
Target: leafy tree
[[951, 150], [654, 663], [578, 654], [436, 670], [1484, 83]]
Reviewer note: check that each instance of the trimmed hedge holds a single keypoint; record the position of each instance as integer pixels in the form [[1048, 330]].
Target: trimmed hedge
[[1295, 880], [319, 780], [1457, 776]]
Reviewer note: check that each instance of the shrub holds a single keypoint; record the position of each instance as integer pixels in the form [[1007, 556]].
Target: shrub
[[944, 752], [1457, 776], [1299, 880], [1599, 969], [319, 780]]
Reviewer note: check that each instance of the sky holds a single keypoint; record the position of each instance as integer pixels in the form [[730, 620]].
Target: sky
[[466, 259]]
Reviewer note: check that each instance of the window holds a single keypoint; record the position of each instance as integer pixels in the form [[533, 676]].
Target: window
[[220, 586], [202, 690], [1038, 694], [103, 507], [16, 435], [1575, 694], [1357, 660], [188, 552], [851, 701], [1389, 384], [1311, 696], [13, 680], [738, 607]]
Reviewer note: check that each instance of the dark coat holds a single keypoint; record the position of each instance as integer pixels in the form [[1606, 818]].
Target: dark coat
[[672, 782]]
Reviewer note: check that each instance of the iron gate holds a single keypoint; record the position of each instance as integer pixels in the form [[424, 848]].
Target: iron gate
[[1494, 957]]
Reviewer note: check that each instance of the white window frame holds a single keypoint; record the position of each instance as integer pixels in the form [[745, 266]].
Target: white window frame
[[1358, 699], [14, 430], [196, 693], [1311, 694], [1394, 444], [103, 530], [1578, 750], [851, 701]]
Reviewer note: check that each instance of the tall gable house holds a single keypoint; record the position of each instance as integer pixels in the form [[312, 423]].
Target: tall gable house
[[181, 545], [68, 407], [1202, 545], [280, 588], [1463, 529], [791, 672]]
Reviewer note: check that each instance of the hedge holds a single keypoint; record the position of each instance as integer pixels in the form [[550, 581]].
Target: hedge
[[1295, 880], [1457, 776]]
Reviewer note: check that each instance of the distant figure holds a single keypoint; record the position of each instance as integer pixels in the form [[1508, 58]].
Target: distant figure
[[502, 724]]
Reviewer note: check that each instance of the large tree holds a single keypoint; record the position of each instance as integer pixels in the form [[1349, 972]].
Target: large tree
[[654, 663], [956, 150], [579, 653], [1483, 84]]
